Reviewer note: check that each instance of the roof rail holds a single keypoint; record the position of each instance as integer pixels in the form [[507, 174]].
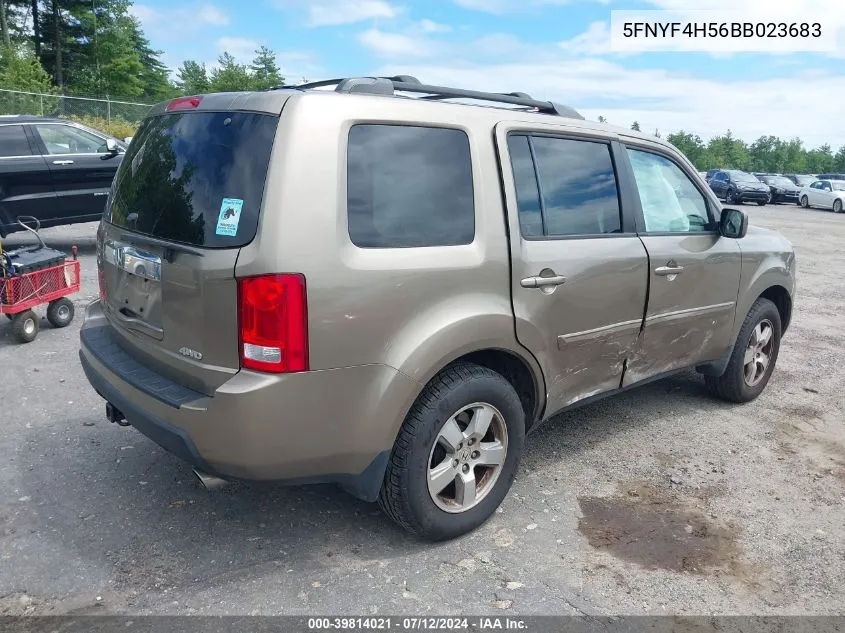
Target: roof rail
[[388, 86]]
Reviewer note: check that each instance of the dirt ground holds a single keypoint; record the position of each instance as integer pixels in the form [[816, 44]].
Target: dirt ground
[[660, 501]]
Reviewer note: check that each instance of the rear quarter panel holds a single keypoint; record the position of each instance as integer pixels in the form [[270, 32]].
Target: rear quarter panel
[[413, 309]]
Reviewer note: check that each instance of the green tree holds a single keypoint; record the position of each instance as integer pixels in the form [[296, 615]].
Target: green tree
[[635, 126], [691, 146], [21, 70], [192, 78], [265, 71], [230, 76]]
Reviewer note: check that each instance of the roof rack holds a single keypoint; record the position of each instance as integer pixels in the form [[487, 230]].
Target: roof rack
[[388, 86]]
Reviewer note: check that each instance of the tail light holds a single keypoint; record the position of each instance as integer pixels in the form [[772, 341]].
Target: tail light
[[273, 323]]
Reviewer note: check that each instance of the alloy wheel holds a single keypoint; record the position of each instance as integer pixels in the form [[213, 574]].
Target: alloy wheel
[[467, 457], [758, 353]]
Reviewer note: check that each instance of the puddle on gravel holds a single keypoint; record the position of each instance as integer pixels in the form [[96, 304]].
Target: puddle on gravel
[[658, 530]]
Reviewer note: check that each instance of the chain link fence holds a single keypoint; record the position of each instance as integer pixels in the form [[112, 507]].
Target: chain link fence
[[19, 102]]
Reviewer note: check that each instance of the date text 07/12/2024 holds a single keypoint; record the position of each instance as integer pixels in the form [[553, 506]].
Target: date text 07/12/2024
[[416, 623]]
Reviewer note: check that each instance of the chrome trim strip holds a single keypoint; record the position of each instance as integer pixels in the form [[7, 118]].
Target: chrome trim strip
[[682, 314], [133, 260], [613, 328]]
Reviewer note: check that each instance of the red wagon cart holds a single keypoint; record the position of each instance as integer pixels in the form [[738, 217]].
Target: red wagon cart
[[32, 276]]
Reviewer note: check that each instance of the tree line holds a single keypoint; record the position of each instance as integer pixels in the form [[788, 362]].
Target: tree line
[[768, 154], [97, 48]]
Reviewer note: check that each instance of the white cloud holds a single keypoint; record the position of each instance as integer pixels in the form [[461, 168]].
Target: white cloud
[[594, 41], [164, 24], [212, 15], [395, 44], [661, 99], [507, 6], [337, 12], [241, 48], [430, 26]]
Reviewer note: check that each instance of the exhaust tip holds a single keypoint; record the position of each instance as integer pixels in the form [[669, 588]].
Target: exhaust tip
[[210, 482]]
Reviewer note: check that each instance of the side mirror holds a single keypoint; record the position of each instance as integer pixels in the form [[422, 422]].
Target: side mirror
[[111, 146], [733, 223]]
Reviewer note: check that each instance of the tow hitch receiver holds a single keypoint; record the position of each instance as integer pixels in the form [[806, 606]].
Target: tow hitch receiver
[[114, 415]]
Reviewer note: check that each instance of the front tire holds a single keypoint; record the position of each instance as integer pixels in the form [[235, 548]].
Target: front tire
[[456, 454], [805, 202], [837, 206], [753, 358], [762, 203], [25, 326]]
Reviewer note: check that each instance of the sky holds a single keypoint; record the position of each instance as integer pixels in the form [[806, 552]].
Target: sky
[[552, 49]]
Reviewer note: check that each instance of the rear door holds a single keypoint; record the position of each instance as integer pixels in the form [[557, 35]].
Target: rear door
[[26, 187], [694, 271], [82, 168], [185, 200], [579, 272]]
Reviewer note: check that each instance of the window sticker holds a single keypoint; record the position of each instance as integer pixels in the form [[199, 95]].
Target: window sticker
[[230, 216]]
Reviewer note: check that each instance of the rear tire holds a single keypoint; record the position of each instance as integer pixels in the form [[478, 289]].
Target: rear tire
[[745, 378], [805, 202], [25, 326], [60, 312], [761, 203], [426, 454], [837, 206]]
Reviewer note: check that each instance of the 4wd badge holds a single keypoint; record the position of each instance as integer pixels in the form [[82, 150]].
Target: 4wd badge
[[190, 353]]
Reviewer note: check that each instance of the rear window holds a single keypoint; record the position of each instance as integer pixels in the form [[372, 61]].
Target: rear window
[[195, 177]]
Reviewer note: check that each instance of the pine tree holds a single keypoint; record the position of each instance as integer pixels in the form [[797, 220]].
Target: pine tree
[[265, 70]]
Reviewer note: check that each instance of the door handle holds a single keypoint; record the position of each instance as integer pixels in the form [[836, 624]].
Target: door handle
[[665, 271], [63, 162], [543, 282]]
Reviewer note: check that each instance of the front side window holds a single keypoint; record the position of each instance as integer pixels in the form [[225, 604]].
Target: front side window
[[409, 186], [64, 139], [670, 201]]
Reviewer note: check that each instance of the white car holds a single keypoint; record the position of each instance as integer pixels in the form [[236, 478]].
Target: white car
[[827, 194]]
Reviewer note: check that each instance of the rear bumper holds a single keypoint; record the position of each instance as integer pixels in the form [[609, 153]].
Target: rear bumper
[[334, 426]]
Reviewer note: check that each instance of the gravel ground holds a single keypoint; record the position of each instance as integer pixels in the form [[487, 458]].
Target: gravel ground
[[659, 501]]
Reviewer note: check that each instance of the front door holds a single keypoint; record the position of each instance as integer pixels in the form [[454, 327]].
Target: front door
[[579, 272], [693, 271], [81, 166]]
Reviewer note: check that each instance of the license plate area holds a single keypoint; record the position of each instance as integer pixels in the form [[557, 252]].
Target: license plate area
[[135, 293]]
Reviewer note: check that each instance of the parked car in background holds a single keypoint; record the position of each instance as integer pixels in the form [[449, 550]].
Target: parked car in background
[[55, 170], [257, 250], [737, 186], [830, 177], [710, 173], [802, 180], [781, 188], [826, 194]]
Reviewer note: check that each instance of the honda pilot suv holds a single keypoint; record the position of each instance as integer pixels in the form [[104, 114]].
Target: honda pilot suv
[[374, 286]]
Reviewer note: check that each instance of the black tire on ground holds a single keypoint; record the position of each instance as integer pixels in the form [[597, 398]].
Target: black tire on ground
[[727, 196], [805, 202], [732, 385], [25, 326], [404, 495], [837, 206], [60, 312], [761, 203]]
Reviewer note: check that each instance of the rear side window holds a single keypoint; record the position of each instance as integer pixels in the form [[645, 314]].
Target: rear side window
[[409, 186], [195, 177], [13, 141], [576, 193]]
